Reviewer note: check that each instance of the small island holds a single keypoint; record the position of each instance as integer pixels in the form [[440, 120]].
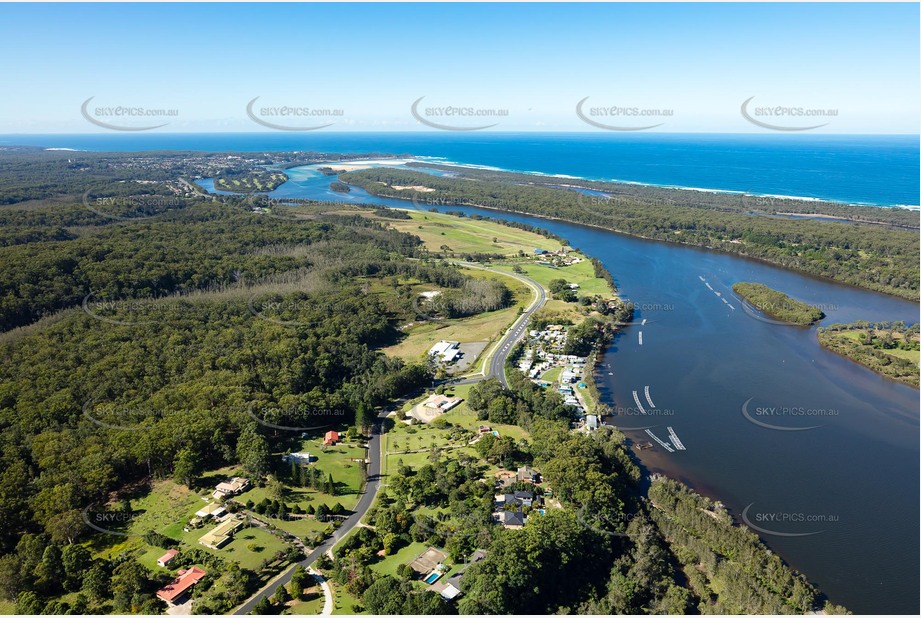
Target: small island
[[251, 181], [890, 349], [339, 187], [777, 305]]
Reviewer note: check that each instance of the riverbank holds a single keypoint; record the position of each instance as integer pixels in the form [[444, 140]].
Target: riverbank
[[885, 262], [888, 349]]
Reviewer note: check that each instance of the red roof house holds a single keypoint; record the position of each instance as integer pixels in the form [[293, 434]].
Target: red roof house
[[166, 558], [331, 438], [174, 593]]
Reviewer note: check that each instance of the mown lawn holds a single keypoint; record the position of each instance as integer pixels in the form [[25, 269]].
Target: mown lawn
[[582, 274], [466, 235], [310, 604], [421, 336], [344, 603], [388, 566], [335, 460], [166, 509]]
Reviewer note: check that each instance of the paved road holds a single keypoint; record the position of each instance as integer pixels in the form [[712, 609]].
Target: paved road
[[364, 503], [495, 361], [495, 367]]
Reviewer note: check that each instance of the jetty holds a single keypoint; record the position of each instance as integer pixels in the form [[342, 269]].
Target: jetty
[[664, 445], [648, 398], [675, 440], [636, 398]]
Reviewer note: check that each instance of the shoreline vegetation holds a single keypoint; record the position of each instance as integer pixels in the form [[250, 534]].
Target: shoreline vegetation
[[736, 201], [878, 255], [889, 349], [777, 305]]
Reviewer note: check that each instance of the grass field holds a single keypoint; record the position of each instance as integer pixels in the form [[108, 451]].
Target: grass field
[[582, 274], [912, 355], [403, 437], [466, 235], [344, 603], [388, 566], [483, 327], [334, 460], [310, 605], [166, 508]]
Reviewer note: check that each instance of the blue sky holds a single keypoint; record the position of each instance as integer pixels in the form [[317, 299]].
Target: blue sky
[[537, 61]]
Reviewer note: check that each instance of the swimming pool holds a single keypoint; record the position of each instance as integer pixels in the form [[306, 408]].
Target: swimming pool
[[432, 577]]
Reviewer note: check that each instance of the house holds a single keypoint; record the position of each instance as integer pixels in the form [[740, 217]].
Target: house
[[539, 251], [449, 591], [517, 498], [509, 519], [450, 588], [331, 438], [222, 534], [212, 509], [230, 488], [177, 590], [298, 458], [524, 498], [441, 402], [446, 351], [505, 479], [591, 422], [166, 558], [529, 475]]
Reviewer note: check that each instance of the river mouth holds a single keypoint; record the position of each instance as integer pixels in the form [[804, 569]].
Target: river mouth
[[819, 454]]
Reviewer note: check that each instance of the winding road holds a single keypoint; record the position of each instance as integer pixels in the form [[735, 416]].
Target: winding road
[[361, 509], [494, 362], [494, 365]]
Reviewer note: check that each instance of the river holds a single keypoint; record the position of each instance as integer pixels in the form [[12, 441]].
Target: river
[[838, 501]]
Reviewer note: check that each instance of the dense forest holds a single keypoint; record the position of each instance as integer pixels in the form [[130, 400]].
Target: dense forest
[[874, 256]]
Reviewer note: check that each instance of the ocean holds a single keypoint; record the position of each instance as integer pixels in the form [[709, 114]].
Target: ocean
[[879, 170]]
